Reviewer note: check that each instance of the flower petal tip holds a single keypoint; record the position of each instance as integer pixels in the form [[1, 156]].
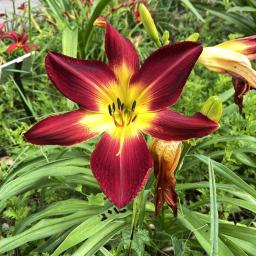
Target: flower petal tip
[[121, 177]]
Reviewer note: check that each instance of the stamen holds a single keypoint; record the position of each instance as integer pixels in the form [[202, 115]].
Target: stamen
[[133, 105], [122, 107], [109, 110], [134, 118], [114, 107], [119, 103]]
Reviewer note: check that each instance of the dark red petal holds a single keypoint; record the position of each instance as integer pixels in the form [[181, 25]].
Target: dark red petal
[[64, 129], [164, 73], [122, 176], [120, 50], [11, 48], [12, 35], [170, 125], [241, 88], [26, 48], [24, 37], [1, 26], [81, 81]]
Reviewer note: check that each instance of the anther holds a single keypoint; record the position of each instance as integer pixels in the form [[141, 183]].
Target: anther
[[116, 210], [133, 105], [109, 110], [119, 104], [122, 107], [134, 118], [113, 107]]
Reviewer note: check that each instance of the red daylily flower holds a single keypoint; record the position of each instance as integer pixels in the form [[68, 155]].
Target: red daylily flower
[[20, 42], [122, 101]]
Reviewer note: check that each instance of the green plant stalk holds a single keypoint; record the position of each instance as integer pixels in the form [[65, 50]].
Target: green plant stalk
[[17, 82], [86, 33], [138, 212], [14, 9], [186, 148], [29, 22]]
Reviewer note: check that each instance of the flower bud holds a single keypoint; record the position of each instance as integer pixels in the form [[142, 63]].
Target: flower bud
[[149, 24], [100, 22], [212, 108], [193, 38], [165, 37]]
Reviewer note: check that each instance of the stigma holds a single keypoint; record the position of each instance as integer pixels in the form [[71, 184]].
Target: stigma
[[122, 115]]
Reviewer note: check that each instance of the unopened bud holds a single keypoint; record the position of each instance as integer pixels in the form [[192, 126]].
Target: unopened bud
[[193, 38], [100, 22], [212, 108], [152, 226], [149, 24], [165, 37], [69, 15]]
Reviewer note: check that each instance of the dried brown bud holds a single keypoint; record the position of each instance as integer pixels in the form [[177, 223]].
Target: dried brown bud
[[166, 155]]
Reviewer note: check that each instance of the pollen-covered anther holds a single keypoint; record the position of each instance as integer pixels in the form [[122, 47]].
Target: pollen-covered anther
[[119, 104], [110, 110], [133, 105]]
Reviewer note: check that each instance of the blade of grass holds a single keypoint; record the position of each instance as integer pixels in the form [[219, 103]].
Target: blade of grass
[[214, 211], [228, 175], [191, 7]]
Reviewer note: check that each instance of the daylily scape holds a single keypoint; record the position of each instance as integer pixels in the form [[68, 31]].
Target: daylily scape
[[122, 100]]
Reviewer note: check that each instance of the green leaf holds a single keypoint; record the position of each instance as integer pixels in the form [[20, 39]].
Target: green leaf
[[98, 7], [245, 159], [191, 7], [201, 231], [85, 230], [57, 11], [206, 142], [236, 250], [60, 208], [70, 41], [42, 229], [94, 243], [35, 178], [97, 199], [214, 212], [228, 175]]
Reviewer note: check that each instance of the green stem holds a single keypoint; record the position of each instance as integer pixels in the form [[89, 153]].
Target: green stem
[[186, 148], [97, 10], [139, 205], [29, 22]]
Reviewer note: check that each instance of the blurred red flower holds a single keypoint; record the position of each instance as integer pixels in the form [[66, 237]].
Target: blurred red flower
[[20, 41]]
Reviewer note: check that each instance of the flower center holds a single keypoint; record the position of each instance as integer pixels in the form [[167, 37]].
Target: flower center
[[19, 44], [122, 115]]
